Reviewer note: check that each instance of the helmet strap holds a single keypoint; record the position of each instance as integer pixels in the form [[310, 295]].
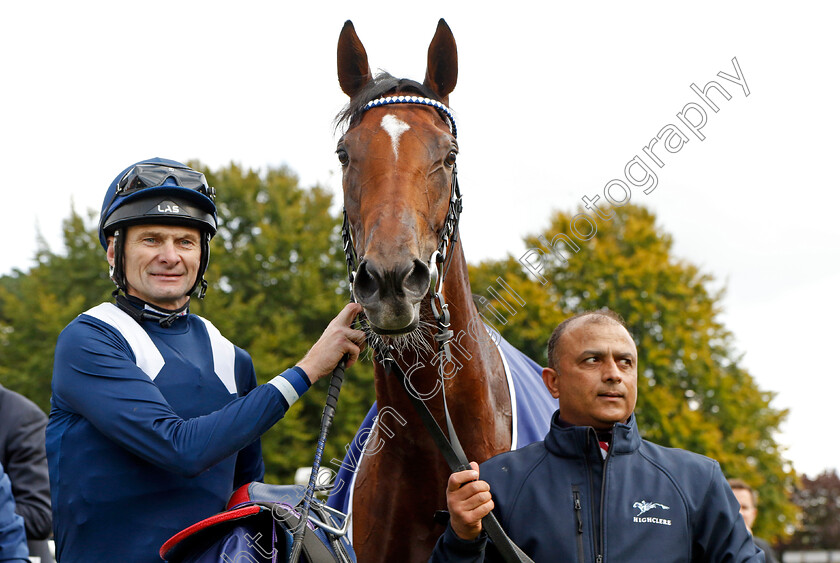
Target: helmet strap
[[202, 289], [200, 283], [117, 271]]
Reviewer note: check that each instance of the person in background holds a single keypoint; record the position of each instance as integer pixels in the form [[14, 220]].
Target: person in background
[[12, 535], [156, 417], [22, 453], [748, 499]]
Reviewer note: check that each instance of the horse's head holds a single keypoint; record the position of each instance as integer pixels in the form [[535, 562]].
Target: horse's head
[[398, 162]]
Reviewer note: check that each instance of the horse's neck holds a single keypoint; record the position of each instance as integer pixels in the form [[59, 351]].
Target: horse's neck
[[479, 403], [475, 382]]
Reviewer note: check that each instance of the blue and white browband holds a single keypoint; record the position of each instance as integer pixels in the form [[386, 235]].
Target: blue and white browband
[[389, 100]]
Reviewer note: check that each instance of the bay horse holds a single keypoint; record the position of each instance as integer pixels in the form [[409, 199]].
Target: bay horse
[[401, 205]]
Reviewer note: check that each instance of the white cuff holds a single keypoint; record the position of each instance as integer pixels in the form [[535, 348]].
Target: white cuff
[[286, 389]]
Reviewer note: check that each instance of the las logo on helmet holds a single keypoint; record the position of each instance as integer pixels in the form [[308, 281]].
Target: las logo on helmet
[[168, 208]]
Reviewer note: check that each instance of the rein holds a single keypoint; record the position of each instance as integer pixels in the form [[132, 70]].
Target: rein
[[439, 264]]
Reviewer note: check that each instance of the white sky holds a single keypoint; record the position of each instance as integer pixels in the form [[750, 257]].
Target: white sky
[[551, 103]]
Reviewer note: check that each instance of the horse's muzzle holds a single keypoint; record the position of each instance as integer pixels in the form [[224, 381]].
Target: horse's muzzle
[[391, 296]]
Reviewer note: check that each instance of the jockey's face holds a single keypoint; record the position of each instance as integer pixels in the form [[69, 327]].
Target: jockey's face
[[595, 381], [161, 263]]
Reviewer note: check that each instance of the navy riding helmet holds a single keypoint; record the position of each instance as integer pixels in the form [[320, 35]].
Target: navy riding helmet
[[158, 191]]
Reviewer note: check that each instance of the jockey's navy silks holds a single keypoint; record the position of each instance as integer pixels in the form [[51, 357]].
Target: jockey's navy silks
[[146, 428]]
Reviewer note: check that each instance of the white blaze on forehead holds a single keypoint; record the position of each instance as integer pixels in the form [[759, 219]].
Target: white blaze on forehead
[[395, 127]]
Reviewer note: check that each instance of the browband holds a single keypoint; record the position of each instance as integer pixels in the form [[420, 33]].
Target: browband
[[389, 100]]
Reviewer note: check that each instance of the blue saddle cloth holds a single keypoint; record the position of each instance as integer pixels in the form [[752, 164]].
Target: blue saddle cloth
[[533, 406]]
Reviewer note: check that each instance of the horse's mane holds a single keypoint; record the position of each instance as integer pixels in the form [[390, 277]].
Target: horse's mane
[[382, 84]]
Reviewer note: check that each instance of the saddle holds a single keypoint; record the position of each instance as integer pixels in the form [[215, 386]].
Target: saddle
[[258, 527]]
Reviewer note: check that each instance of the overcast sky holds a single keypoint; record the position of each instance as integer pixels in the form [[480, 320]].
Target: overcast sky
[[552, 102]]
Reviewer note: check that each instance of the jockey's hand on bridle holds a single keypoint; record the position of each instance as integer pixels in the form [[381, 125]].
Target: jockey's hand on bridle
[[338, 339]]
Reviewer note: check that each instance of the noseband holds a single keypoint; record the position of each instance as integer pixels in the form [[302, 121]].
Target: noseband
[[441, 257]]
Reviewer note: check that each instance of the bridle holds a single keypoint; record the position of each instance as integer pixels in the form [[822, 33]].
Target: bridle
[[439, 264], [441, 258]]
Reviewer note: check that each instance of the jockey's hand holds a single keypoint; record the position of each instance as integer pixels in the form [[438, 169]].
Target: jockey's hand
[[338, 339], [468, 501]]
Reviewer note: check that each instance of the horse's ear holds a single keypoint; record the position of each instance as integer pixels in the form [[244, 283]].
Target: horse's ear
[[442, 62], [353, 68]]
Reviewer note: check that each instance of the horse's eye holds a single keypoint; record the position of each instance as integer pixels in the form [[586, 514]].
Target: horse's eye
[[451, 157], [343, 157]]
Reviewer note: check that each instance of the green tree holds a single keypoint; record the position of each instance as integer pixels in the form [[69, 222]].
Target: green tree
[[35, 306], [276, 279], [693, 393]]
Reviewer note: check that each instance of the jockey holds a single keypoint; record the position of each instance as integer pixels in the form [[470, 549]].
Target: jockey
[[156, 417]]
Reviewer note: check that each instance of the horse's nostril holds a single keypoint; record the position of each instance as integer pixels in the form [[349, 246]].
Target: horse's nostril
[[417, 280], [364, 284], [411, 280]]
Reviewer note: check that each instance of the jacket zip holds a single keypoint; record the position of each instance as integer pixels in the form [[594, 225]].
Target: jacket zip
[[598, 538], [600, 548], [593, 518], [576, 495]]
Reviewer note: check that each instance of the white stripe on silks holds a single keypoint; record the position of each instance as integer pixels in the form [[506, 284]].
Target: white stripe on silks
[[224, 356], [287, 389], [146, 355]]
